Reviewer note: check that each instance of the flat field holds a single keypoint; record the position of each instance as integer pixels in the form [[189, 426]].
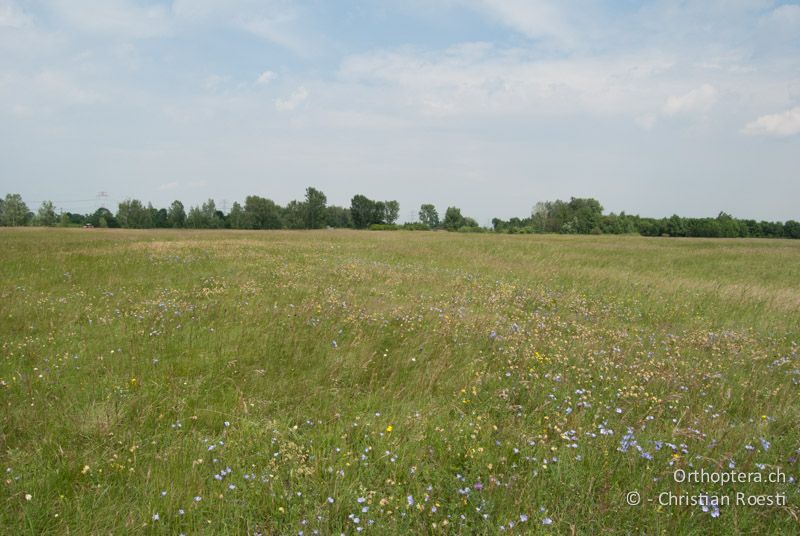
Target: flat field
[[167, 382]]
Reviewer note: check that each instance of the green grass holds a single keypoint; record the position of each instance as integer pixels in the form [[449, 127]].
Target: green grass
[[497, 361]]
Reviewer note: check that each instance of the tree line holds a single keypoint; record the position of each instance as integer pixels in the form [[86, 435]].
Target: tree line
[[576, 216], [585, 216]]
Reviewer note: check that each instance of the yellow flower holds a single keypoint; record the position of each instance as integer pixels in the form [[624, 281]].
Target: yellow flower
[[389, 429]]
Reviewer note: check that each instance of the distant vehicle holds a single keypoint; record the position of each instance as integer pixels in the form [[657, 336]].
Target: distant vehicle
[[88, 226]]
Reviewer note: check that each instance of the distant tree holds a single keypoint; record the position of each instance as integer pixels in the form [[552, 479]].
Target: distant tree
[[176, 215], [15, 211], [315, 208], [261, 213], [338, 217], [161, 219], [429, 216], [133, 214], [362, 211], [47, 214], [392, 211], [105, 215], [63, 219], [676, 226], [211, 217], [539, 216], [453, 219], [791, 229], [236, 217], [470, 222], [194, 219], [294, 215]]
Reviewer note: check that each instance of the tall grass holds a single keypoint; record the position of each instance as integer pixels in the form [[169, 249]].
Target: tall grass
[[393, 383]]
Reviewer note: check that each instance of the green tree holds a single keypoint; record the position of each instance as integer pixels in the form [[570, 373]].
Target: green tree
[[211, 218], [15, 211], [362, 211], [453, 219], [47, 214], [261, 213], [236, 217], [294, 215], [429, 216], [132, 214], [470, 222], [338, 217], [194, 219], [105, 215], [392, 211], [315, 208], [176, 215], [791, 229]]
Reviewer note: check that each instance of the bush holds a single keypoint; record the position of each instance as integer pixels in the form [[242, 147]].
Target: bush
[[383, 227], [415, 227]]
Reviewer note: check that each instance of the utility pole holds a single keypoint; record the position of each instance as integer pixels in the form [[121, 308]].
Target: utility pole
[[101, 197]]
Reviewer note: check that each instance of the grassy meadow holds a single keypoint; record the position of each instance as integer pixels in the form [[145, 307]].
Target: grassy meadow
[[327, 382]]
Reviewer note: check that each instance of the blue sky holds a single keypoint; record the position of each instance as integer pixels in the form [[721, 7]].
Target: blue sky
[[655, 108]]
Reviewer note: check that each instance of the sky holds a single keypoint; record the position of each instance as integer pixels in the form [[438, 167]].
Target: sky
[[656, 108]]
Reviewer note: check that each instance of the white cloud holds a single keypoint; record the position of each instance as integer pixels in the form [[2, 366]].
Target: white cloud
[[168, 186], [58, 86], [480, 80], [698, 100], [785, 17], [293, 101], [536, 19], [214, 81], [12, 16], [647, 121], [278, 28], [781, 125], [266, 77], [118, 18]]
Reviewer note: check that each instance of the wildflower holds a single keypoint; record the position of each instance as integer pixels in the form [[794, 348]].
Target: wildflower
[[410, 500], [547, 521], [478, 486], [389, 429], [523, 518], [330, 500], [156, 517], [198, 499], [764, 444]]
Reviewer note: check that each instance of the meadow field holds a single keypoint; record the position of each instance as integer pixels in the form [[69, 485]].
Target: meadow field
[[327, 382]]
